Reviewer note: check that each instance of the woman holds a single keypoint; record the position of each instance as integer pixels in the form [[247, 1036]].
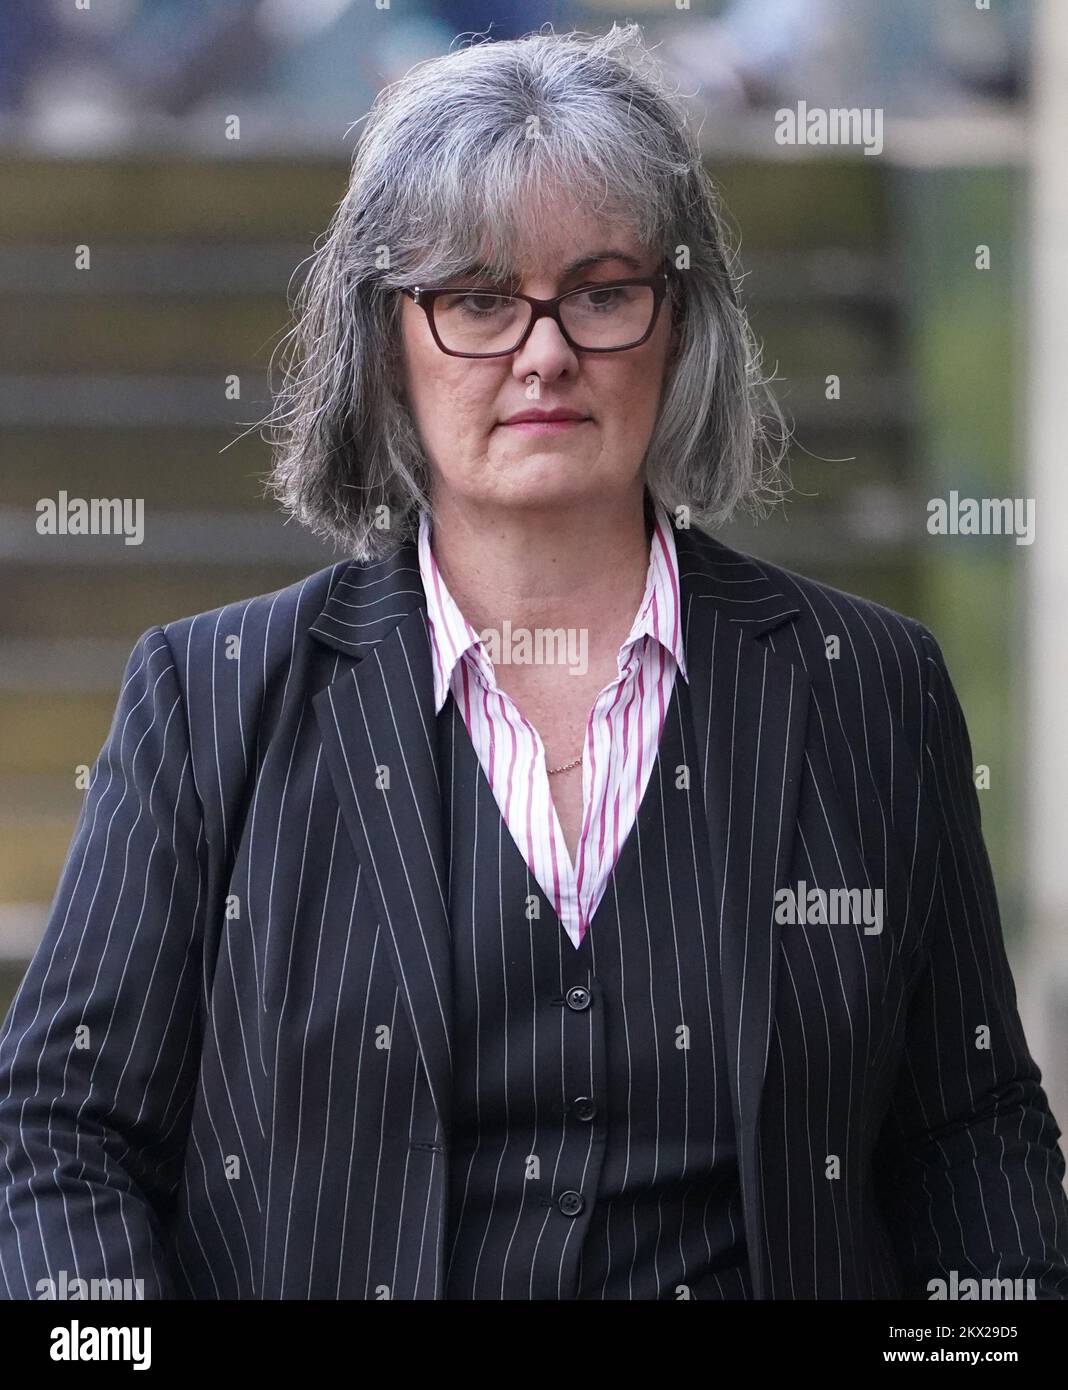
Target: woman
[[526, 907]]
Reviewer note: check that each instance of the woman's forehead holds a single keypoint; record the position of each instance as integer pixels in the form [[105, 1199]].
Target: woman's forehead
[[622, 255], [544, 230]]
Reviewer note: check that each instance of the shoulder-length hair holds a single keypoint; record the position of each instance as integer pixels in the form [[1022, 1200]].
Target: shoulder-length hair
[[453, 166]]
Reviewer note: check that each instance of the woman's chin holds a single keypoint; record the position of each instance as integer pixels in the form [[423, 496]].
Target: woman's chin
[[545, 477], [549, 463]]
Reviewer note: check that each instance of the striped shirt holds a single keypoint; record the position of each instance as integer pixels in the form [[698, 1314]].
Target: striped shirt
[[622, 731]]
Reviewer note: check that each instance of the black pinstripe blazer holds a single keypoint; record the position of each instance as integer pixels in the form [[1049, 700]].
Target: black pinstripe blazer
[[227, 1071]]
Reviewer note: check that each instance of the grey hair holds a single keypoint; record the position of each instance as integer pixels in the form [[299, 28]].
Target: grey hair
[[455, 134]]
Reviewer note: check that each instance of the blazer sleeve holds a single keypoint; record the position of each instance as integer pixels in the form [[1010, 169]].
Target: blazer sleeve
[[969, 1169], [100, 1049]]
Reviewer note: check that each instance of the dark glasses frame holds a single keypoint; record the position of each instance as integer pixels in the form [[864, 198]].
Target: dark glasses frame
[[543, 308]]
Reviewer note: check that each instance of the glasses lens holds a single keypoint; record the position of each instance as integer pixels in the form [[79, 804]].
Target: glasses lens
[[477, 321], [603, 316], [608, 316]]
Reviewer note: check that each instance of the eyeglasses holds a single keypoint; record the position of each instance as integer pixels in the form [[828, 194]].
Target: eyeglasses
[[473, 322]]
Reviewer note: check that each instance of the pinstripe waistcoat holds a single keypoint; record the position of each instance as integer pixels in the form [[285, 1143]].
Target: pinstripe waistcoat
[[230, 1068], [593, 1149]]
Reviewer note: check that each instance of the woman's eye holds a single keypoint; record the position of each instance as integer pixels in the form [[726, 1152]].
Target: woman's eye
[[473, 301], [484, 303], [600, 297]]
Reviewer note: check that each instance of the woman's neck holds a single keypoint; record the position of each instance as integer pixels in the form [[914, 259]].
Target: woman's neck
[[577, 569]]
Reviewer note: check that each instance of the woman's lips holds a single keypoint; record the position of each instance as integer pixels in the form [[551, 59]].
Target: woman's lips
[[544, 426]]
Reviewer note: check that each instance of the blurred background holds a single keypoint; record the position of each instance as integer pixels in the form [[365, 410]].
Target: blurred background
[[911, 302]]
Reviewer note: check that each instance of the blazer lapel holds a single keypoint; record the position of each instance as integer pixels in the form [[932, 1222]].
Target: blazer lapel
[[379, 734], [750, 709]]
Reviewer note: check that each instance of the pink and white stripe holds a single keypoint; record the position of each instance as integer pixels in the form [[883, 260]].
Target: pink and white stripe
[[622, 731]]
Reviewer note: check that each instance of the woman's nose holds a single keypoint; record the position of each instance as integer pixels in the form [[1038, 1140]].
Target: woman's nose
[[546, 352]]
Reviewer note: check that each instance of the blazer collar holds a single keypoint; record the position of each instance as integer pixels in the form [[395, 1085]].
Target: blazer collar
[[369, 600]]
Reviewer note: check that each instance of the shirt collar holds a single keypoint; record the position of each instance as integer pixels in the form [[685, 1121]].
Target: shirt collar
[[659, 614]]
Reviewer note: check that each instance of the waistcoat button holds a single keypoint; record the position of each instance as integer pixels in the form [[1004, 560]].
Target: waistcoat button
[[583, 1108], [571, 1203], [578, 997]]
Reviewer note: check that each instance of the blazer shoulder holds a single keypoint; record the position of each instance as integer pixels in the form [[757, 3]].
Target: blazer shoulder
[[277, 618], [825, 610]]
